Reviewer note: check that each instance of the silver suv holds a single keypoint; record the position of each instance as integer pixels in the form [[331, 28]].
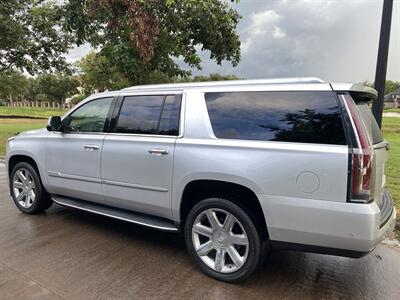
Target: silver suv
[[239, 167]]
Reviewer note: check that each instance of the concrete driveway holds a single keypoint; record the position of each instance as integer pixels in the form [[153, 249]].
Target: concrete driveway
[[70, 254]]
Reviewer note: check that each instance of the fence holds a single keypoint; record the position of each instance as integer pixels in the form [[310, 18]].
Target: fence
[[44, 104], [394, 104]]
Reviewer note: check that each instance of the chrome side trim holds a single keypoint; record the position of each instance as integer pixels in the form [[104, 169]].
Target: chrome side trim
[[109, 182], [134, 186], [142, 135], [59, 201], [72, 177]]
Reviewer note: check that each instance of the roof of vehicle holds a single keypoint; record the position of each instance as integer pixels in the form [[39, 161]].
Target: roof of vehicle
[[168, 86], [305, 83]]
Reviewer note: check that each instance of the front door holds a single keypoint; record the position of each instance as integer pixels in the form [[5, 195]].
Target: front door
[[137, 159], [73, 155]]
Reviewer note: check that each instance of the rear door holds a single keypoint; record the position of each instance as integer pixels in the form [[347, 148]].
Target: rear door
[[137, 158]]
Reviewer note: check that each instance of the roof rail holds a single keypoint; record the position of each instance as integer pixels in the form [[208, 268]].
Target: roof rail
[[227, 82]]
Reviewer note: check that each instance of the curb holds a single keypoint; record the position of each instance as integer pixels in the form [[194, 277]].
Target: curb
[[21, 117]]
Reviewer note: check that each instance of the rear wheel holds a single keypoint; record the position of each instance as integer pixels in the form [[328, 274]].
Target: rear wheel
[[27, 190], [223, 240]]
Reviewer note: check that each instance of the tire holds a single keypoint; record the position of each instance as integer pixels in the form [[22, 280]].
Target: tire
[[222, 261], [37, 202]]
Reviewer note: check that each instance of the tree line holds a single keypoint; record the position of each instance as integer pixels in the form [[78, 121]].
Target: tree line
[[136, 42], [390, 85], [93, 74]]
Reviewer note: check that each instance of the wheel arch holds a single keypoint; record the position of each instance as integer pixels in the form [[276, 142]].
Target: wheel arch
[[243, 196], [17, 158]]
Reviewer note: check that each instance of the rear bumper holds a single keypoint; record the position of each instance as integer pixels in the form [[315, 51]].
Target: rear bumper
[[386, 208], [345, 229]]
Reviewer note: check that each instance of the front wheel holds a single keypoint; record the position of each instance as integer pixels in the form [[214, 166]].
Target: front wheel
[[223, 240], [27, 190]]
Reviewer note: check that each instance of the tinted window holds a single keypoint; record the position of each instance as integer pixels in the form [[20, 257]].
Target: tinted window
[[306, 117], [150, 115], [370, 123], [169, 123], [90, 117]]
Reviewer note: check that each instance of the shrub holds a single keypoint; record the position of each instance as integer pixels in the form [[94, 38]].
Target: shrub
[[76, 99]]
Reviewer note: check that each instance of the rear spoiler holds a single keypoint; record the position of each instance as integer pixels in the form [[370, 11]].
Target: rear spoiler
[[359, 92]]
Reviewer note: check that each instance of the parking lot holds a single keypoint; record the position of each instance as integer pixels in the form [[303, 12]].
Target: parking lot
[[69, 254]]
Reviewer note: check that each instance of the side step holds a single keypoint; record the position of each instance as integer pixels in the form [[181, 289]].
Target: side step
[[116, 213]]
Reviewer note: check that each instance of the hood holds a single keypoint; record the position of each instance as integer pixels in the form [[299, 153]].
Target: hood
[[33, 132]]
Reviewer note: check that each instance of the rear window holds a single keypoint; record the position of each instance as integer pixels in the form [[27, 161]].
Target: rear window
[[305, 117], [369, 121]]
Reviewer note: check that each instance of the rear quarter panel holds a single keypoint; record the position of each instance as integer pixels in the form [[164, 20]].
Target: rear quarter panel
[[281, 169]]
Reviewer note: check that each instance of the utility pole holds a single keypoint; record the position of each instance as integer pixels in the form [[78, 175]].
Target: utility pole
[[381, 64]]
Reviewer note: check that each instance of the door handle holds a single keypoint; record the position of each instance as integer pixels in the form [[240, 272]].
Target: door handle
[[91, 147], [158, 151]]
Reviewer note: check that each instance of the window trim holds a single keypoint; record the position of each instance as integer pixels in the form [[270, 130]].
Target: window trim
[[107, 122], [120, 101]]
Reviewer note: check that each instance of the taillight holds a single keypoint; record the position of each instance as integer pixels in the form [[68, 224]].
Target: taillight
[[361, 180]]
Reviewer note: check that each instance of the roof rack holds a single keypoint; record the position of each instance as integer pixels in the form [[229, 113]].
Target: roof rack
[[227, 82]]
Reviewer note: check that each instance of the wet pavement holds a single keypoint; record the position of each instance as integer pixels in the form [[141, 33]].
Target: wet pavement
[[69, 254]]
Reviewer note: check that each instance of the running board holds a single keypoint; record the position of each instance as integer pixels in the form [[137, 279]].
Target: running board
[[116, 213]]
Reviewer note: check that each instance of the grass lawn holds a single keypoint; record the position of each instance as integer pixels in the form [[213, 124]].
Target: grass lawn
[[391, 132], [10, 127], [35, 112], [392, 110]]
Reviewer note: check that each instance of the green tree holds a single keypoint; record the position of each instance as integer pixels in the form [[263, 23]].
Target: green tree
[[57, 87], [77, 98], [31, 38], [97, 73], [142, 37], [213, 77], [14, 86], [390, 85]]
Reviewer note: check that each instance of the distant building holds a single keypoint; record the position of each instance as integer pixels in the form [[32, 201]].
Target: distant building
[[392, 100]]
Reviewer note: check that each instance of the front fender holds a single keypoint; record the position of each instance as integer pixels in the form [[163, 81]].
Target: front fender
[[29, 146]]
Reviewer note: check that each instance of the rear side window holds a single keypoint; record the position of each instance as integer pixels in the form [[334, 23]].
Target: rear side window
[[150, 115], [304, 117], [369, 121]]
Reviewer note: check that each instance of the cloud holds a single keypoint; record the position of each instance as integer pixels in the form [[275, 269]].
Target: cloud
[[333, 40], [263, 25]]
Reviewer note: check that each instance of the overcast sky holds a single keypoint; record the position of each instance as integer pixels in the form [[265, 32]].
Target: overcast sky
[[333, 40]]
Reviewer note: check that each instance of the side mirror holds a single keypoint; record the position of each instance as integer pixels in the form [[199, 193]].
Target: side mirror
[[54, 123]]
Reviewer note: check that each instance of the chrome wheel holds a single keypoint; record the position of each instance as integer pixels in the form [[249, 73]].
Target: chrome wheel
[[220, 240], [24, 188]]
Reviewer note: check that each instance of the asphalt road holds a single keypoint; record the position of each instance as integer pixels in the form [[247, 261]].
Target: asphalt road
[[68, 254]]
